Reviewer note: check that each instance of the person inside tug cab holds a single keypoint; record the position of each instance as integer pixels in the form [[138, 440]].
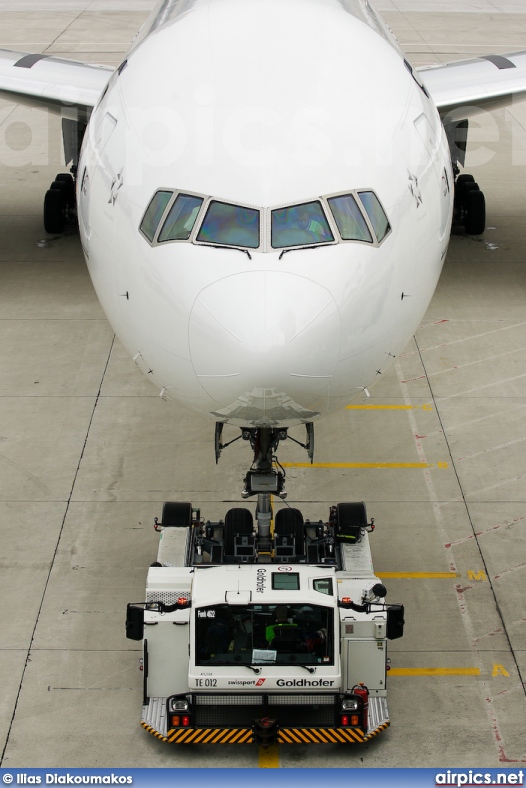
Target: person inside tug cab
[[283, 634]]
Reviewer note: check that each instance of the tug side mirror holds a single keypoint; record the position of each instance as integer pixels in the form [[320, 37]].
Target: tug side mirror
[[395, 621], [134, 622]]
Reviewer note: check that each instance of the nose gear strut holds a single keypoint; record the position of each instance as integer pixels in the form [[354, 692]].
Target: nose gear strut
[[262, 477], [265, 477]]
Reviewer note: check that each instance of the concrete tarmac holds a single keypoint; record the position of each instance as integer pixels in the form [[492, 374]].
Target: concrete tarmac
[[88, 453]]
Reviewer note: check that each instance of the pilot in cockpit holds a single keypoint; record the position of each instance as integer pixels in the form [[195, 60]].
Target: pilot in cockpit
[[306, 222]]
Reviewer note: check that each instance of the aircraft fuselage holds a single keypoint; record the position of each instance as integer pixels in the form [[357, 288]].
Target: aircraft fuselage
[[265, 108]]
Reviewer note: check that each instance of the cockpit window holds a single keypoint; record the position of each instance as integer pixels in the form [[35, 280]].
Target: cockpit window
[[230, 225], [154, 214], [173, 215], [376, 214], [300, 225], [181, 218], [349, 218]]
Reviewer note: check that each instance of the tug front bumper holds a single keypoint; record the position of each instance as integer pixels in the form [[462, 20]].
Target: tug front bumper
[[155, 720]]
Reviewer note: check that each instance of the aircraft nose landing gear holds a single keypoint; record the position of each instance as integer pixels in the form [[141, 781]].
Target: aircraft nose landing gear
[[263, 477], [266, 477]]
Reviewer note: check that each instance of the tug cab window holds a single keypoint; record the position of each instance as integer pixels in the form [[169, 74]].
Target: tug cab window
[[230, 225], [265, 634], [323, 585], [300, 225], [285, 581], [376, 214], [349, 219], [181, 218], [154, 213]]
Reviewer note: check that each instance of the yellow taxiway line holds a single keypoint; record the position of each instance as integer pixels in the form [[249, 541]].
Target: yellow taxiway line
[[388, 407], [418, 575], [358, 465], [434, 672], [268, 757]]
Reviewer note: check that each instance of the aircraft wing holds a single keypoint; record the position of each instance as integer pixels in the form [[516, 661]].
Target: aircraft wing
[[466, 87], [64, 86], [462, 88]]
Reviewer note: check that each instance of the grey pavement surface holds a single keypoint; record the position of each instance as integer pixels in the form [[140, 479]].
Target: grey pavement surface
[[88, 453]]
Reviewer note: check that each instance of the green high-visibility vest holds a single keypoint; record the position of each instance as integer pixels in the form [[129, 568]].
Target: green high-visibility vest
[[270, 631]]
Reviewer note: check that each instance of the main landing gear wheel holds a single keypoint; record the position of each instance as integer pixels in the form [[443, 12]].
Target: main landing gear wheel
[[59, 203], [463, 179], [54, 211], [475, 221], [470, 205]]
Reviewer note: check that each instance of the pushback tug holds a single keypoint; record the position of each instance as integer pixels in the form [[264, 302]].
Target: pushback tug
[[267, 631]]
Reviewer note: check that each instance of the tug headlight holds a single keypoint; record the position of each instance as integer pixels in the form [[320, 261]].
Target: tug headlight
[[350, 704], [178, 704]]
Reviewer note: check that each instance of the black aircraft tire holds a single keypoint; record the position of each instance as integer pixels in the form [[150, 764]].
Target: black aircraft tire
[[460, 184], [54, 211], [464, 178], [472, 186], [65, 188], [475, 223], [67, 179]]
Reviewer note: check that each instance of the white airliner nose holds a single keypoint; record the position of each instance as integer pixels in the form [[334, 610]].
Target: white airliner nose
[[265, 332]]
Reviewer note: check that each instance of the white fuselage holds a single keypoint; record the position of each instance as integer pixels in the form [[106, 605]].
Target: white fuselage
[[264, 103]]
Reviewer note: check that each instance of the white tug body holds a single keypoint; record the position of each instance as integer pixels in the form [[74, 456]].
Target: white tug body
[[262, 636]]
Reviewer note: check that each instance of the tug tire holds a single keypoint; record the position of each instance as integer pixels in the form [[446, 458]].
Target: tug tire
[[176, 514]]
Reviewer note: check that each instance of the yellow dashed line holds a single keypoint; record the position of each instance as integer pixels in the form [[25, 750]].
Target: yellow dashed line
[[268, 757], [358, 465], [385, 407], [434, 672], [419, 575]]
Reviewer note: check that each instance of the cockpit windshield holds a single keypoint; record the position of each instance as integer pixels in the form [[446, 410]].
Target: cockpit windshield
[[154, 212], [356, 215], [349, 218], [376, 214], [230, 225], [264, 635], [300, 225], [181, 218]]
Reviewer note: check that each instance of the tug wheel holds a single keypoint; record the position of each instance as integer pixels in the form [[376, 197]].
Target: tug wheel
[[177, 514]]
